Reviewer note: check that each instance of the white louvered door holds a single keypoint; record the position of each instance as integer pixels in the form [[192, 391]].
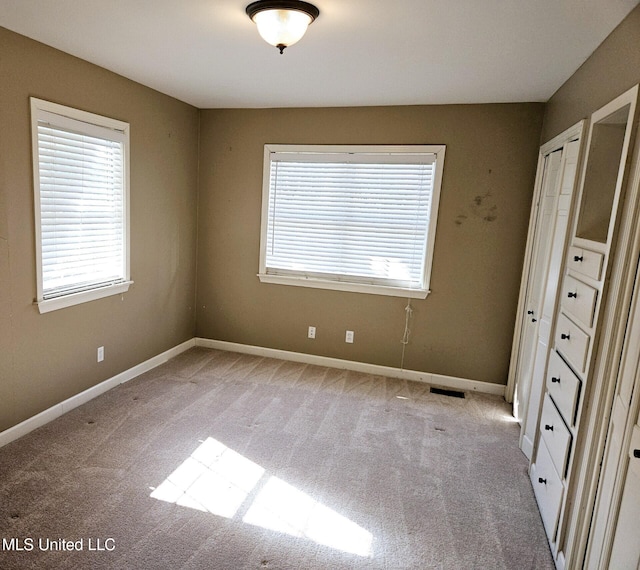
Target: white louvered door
[[537, 280]]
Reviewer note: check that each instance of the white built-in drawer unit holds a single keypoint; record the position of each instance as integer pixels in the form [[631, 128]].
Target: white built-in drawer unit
[[548, 489], [563, 386], [579, 299], [555, 434], [586, 262], [572, 342]]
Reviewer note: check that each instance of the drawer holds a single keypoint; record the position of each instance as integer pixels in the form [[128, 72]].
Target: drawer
[[555, 435], [563, 386], [579, 299], [547, 488], [587, 262], [572, 342]]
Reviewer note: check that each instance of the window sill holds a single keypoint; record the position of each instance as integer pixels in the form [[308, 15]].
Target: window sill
[[48, 305], [344, 286]]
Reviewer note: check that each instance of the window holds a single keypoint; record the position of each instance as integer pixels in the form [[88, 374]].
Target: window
[[81, 185], [350, 218]]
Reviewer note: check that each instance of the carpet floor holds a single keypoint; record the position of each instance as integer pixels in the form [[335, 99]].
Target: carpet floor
[[217, 460]]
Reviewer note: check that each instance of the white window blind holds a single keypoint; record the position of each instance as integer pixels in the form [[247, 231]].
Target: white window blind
[[351, 217], [81, 202]]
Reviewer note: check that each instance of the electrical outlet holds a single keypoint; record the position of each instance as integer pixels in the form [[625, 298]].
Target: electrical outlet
[[349, 337], [312, 332], [100, 353]]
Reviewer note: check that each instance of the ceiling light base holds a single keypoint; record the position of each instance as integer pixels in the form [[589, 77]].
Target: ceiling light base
[[262, 5]]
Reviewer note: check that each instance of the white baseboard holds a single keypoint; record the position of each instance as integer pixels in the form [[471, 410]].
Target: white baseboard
[[434, 379], [526, 445], [69, 404]]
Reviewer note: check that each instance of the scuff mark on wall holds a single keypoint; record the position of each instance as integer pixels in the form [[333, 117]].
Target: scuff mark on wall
[[482, 206]]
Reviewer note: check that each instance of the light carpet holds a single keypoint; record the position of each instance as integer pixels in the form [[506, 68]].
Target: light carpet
[[217, 460]]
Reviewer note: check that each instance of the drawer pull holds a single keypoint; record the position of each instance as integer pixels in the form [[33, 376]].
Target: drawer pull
[[555, 380], [577, 258], [636, 453], [529, 312], [541, 480], [534, 320], [565, 336], [570, 294], [547, 427]]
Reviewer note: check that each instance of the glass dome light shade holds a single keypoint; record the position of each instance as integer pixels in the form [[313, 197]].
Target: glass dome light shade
[[282, 27]]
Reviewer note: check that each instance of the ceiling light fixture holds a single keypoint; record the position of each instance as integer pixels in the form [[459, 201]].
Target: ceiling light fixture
[[282, 23]]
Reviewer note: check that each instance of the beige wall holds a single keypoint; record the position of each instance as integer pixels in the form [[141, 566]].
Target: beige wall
[[47, 358], [612, 69], [464, 328]]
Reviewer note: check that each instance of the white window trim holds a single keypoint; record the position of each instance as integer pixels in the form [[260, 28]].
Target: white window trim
[[370, 288], [46, 305]]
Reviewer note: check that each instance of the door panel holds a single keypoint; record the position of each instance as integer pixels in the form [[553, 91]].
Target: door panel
[[614, 524], [626, 546], [537, 278]]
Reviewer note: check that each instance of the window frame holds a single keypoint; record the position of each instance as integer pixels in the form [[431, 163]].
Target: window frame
[[39, 108], [301, 280]]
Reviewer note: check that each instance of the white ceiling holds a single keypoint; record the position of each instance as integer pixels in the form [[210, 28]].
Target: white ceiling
[[358, 52]]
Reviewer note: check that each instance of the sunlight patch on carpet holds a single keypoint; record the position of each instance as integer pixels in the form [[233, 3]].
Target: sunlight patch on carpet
[[281, 507], [212, 479], [218, 480], [509, 419]]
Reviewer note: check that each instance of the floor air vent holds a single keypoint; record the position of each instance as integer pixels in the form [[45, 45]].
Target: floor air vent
[[443, 392]]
